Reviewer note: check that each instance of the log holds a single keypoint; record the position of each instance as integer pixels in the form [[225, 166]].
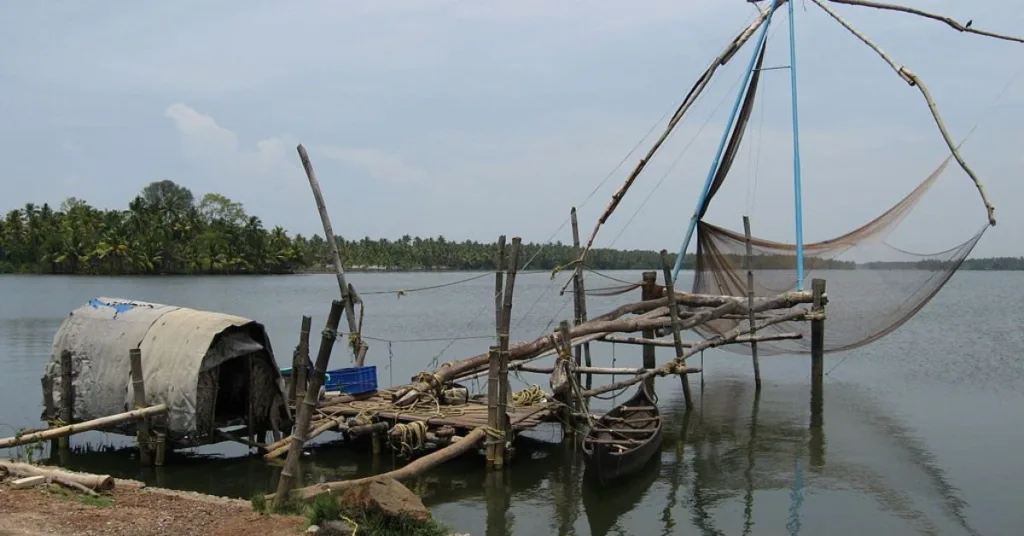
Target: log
[[308, 406], [579, 299], [743, 339], [332, 243], [406, 472], [71, 429], [93, 482], [28, 482]]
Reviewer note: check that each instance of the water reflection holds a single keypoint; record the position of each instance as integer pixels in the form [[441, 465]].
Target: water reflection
[[740, 462]]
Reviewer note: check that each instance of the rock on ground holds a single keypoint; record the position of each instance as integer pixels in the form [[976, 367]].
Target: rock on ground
[[386, 496]]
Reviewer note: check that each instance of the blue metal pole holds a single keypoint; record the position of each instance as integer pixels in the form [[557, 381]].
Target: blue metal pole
[[796, 155], [725, 138]]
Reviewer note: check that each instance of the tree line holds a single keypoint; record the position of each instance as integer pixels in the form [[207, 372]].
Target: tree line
[[166, 230]]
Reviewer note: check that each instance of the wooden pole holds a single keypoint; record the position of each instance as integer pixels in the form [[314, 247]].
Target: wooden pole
[[139, 391], [749, 260], [744, 339], [570, 394], [86, 426], [817, 336], [300, 372], [596, 370], [492, 399], [67, 401], [161, 448], [305, 411], [580, 301], [673, 311], [503, 353], [650, 279], [250, 433], [499, 276], [332, 243]]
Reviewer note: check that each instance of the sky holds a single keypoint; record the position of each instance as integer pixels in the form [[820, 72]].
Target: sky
[[470, 119]]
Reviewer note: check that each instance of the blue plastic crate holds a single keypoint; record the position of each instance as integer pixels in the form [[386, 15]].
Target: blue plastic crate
[[352, 380]]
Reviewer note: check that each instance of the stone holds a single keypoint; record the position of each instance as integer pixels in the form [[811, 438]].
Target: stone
[[386, 496], [313, 529], [337, 528]]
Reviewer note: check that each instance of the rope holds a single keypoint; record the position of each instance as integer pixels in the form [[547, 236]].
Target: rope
[[411, 437], [403, 292], [529, 396], [355, 526]]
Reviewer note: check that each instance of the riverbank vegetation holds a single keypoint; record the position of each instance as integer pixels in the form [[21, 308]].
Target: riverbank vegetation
[[166, 230]]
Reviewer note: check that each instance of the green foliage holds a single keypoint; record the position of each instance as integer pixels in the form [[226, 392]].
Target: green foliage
[[323, 507], [378, 525], [258, 502], [164, 231]]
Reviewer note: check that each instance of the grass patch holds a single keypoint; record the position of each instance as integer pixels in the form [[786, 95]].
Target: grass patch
[[99, 502], [259, 503], [378, 525], [324, 507]]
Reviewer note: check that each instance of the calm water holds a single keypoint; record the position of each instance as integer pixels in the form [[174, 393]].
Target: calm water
[[921, 434]]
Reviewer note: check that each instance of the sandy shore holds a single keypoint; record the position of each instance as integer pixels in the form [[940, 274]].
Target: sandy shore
[[132, 509]]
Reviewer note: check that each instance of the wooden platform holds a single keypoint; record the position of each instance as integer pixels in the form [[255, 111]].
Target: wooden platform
[[472, 414]]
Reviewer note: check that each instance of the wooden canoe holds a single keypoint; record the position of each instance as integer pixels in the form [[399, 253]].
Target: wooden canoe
[[622, 441]]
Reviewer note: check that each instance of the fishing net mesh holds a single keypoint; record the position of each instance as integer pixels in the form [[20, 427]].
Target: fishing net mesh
[[851, 263]]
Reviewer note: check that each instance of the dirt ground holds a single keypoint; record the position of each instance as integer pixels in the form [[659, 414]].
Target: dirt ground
[[134, 510]]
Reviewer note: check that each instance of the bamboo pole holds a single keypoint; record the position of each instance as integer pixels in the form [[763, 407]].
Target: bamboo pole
[[743, 339], [76, 428], [691, 97], [580, 299], [503, 350], [941, 18], [598, 371], [749, 260], [411, 470], [139, 391], [332, 243], [305, 411], [650, 279], [492, 399], [161, 448], [673, 309], [499, 276]]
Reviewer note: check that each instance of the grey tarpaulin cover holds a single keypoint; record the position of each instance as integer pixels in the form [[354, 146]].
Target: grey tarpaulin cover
[[177, 345]]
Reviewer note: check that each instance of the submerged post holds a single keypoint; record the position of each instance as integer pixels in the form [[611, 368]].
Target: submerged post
[[492, 400], [305, 411], [650, 279], [817, 336], [673, 311], [503, 343], [332, 243], [139, 392], [749, 261], [580, 298]]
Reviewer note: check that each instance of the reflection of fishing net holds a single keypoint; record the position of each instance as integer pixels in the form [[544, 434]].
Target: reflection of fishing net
[[873, 297]]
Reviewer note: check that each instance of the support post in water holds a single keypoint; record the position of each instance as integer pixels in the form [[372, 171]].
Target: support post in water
[[749, 261], [139, 392], [817, 336], [503, 344], [650, 279], [673, 311], [332, 243], [580, 298], [492, 400], [305, 411], [161, 448], [67, 402]]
